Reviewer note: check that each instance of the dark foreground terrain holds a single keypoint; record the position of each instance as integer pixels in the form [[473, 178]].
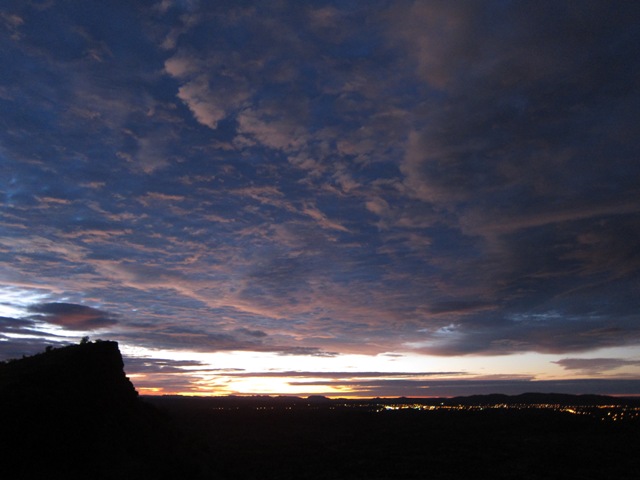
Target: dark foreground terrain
[[316, 442], [72, 413]]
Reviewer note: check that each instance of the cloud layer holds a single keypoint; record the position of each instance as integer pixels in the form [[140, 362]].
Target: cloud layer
[[442, 178]]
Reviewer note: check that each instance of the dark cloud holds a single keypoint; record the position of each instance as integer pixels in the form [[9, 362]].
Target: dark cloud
[[462, 387], [449, 178], [72, 316], [340, 375], [192, 338], [458, 306], [595, 365], [310, 351], [558, 328], [251, 333], [518, 159], [137, 365], [22, 336], [201, 339], [9, 324], [13, 347]]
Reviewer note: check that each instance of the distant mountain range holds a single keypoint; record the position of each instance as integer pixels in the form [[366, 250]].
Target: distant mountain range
[[254, 401]]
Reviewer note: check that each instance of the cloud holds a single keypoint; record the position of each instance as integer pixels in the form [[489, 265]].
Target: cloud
[[201, 340], [507, 97], [141, 275], [72, 316], [16, 347], [22, 336], [437, 176], [146, 365], [210, 90], [507, 152], [197, 95], [151, 198], [546, 332], [335, 376], [466, 387], [322, 220], [272, 129], [478, 223], [437, 33], [459, 307], [593, 366], [251, 333], [16, 325], [159, 375], [180, 66], [379, 206]]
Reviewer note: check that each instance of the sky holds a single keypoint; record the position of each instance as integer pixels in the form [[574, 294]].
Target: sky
[[345, 198]]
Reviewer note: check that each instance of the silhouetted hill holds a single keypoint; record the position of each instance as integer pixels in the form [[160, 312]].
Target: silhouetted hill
[[88, 375], [71, 412]]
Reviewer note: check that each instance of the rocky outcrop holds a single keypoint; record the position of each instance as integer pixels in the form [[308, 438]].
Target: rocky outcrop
[[72, 412], [89, 377]]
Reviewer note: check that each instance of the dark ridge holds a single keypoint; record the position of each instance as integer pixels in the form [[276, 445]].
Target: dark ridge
[[72, 412], [315, 401], [86, 376]]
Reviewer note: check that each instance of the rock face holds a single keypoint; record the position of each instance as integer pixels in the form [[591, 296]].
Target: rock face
[[72, 413], [88, 376]]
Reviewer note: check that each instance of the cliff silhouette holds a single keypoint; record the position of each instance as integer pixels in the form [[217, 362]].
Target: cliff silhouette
[[86, 376], [72, 412]]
